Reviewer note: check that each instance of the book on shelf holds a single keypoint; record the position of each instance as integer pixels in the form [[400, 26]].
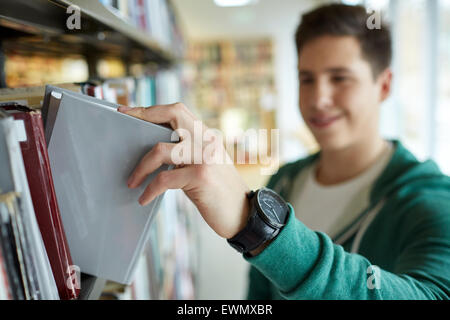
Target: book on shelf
[[28, 269], [154, 17], [154, 274], [128, 91], [31, 97], [93, 149], [40, 181]]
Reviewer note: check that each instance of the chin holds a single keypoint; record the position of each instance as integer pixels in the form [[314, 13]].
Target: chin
[[332, 142]]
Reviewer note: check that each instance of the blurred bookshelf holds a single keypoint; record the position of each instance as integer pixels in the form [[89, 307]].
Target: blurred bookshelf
[[40, 26], [231, 84], [232, 75], [126, 52]]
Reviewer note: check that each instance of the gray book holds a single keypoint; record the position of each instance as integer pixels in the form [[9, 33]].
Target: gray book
[[93, 149]]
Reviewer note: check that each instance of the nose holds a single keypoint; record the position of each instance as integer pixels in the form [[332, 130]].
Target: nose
[[322, 97]]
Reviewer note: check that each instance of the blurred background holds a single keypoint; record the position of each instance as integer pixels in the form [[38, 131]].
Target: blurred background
[[418, 112], [236, 68]]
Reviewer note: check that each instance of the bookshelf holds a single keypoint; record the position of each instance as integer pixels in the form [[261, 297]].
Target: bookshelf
[[232, 85], [150, 54], [39, 27]]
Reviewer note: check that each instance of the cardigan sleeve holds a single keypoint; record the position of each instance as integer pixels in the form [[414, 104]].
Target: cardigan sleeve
[[304, 264]]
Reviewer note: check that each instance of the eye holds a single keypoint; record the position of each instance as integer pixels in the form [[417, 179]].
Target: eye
[[306, 80], [338, 79]]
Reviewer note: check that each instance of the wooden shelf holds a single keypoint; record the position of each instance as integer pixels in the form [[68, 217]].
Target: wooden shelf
[[39, 27]]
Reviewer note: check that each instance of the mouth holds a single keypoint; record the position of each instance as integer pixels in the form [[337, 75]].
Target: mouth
[[321, 122]]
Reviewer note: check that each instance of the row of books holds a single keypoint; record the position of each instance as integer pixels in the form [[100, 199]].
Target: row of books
[[230, 75], [33, 70], [217, 52], [34, 256], [125, 91], [232, 84], [149, 277], [155, 17], [236, 76]]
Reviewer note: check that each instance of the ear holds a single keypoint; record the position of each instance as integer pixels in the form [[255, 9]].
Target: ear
[[385, 84]]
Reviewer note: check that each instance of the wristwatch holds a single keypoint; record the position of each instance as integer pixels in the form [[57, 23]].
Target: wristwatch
[[268, 215]]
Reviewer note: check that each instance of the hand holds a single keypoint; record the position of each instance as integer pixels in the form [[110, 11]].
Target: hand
[[213, 184]]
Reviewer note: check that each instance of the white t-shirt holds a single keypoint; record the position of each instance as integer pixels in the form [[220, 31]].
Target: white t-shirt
[[330, 209]]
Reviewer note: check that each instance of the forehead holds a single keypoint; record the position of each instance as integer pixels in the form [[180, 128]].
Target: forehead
[[328, 52]]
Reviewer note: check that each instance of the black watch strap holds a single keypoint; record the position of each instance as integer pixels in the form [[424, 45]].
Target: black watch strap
[[254, 234]]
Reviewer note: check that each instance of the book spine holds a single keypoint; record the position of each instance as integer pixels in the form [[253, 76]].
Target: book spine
[[61, 259]]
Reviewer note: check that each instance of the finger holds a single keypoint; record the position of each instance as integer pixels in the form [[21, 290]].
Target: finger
[[160, 154], [177, 115], [172, 179]]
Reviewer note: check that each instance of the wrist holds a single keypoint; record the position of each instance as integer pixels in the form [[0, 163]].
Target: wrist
[[243, 215], [266, 215]]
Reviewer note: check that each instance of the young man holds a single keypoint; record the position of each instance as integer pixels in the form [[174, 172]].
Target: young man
[[365, 219]]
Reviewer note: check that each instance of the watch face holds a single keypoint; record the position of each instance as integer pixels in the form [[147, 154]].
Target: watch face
[[273, 206]]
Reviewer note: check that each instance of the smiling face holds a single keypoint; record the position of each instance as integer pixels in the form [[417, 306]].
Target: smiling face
[[339, 97]]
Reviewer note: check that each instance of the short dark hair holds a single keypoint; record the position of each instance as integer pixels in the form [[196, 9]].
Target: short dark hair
[[348, 20]]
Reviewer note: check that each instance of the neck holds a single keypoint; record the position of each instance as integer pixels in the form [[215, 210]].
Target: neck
[[336, 166]]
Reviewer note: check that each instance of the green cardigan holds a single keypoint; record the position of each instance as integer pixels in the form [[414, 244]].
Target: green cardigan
[[409, 240]]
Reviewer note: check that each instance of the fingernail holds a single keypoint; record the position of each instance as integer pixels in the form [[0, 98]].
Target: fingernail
[[124, 109], [130, 181]]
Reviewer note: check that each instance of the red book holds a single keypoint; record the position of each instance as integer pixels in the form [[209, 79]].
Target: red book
[[40, 181]]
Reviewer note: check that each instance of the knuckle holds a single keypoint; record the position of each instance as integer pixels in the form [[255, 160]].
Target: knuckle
[[179, 106], [162, 177], [179, 109], [173, 113], [159, 148], [140, 110]]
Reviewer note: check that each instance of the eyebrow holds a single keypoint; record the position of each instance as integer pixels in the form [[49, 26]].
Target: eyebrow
[[329, 70]]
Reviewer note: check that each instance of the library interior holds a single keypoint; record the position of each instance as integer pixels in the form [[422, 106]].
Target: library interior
[[71, 228]]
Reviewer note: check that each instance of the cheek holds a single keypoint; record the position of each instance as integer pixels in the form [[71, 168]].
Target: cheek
[[349, 101], [358, 106], [303, 102]]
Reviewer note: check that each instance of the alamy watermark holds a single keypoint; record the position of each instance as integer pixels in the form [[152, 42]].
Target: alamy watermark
[[374, 20], [374, 277], [207, 145], [73, 277], [74, 20]]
